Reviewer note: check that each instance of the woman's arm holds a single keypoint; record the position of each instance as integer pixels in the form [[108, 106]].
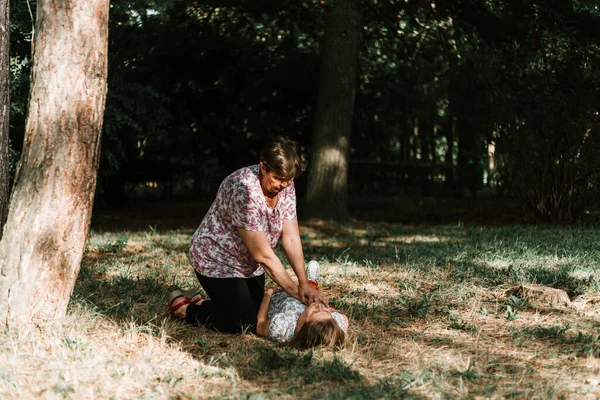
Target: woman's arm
[[263, 321], [292, 246], [260, 250]]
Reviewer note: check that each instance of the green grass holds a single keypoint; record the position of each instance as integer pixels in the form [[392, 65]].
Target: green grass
[[431, 311]]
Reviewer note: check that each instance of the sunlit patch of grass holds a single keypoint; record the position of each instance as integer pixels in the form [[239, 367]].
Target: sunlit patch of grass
[[89, 356], [114, 246]]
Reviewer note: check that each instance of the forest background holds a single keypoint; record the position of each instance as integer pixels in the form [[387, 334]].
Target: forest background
[[453, 99]]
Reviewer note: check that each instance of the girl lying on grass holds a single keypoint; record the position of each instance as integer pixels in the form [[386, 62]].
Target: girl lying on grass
[[285, 319]]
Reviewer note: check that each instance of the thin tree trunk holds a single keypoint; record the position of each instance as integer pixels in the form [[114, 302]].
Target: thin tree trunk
[[425, 138], [449, 156], [328, 174], [4, 108], [406, 133], [415, 140], [52, 197]]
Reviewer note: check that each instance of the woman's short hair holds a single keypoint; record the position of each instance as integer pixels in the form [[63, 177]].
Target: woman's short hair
[[319, 333], [283, 157]]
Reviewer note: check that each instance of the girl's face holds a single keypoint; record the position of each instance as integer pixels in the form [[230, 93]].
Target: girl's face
[[315, 312], [272, 184]]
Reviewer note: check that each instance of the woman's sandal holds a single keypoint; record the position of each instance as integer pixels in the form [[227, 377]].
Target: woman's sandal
[[194, 296], [176, 300]]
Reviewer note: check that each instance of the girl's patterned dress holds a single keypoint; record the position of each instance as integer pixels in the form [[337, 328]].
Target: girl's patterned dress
[[284, 312]]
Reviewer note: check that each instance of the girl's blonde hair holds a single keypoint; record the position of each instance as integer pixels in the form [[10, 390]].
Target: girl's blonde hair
[[319, 333]]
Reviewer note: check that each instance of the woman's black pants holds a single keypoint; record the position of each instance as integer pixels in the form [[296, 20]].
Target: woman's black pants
[[232, 306]]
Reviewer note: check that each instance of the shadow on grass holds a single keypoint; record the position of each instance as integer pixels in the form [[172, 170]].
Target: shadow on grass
[[143, 302], [417, 210]]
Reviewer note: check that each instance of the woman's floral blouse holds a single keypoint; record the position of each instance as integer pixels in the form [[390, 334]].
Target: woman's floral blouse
[[217, 250]]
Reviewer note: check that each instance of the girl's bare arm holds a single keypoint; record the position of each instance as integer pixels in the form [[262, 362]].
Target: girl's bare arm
[[263, 322]]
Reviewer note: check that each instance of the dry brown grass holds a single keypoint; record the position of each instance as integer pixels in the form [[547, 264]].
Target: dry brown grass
[[427, 305]]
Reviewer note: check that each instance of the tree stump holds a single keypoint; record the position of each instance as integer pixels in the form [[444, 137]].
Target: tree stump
[[542, 296]]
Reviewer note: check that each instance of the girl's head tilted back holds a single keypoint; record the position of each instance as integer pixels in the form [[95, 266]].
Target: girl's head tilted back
[[316, 327], [283, 157], [319, 333]]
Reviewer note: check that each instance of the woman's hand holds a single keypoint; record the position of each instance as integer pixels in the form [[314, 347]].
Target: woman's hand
[[309, 295], [270, 291]]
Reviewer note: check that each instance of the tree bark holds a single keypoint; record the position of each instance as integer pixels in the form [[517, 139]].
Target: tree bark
[[51, 203], [328, 175], [4, 108]]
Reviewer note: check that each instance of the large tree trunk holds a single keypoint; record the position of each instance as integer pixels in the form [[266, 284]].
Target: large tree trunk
[[52, 197], [328, 174], [4, 108]]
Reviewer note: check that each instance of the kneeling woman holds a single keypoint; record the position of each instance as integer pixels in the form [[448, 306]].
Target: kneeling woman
[[233, 247]]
